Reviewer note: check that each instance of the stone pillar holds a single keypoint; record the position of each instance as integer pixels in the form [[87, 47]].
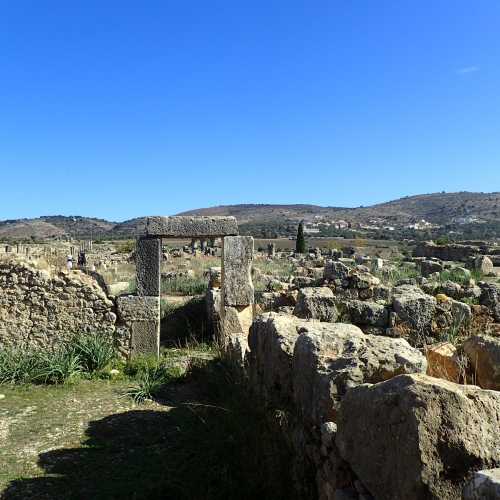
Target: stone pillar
[[148, 258], [271, 250], [140, 314], [237, 294]]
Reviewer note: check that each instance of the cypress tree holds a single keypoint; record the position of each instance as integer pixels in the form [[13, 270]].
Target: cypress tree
[[300, 246]]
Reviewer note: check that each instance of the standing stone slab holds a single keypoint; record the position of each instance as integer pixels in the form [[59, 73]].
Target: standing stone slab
[[148, 257], [139, 324], [237, 256], [191, 227]]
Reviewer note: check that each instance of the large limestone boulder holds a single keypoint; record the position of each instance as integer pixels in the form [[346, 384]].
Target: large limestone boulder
[[271, 341], [330, 359], [483, 352], [335, 270], [415, 437], [316, 303], [428, 267], [362, 312], [413, 307]]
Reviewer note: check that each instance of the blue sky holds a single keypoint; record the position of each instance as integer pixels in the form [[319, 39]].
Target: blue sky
[[118, 109]]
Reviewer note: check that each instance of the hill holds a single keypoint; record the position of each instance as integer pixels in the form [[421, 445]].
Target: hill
[[259, 219], [438, 208]]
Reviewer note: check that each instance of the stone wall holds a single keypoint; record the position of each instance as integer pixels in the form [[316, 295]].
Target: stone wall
[[38, 309], [363, 419]]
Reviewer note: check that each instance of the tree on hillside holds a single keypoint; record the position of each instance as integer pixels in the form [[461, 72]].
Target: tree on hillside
[[300, 246]]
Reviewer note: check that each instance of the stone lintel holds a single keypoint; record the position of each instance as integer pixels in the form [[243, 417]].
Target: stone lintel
[[184, 226]]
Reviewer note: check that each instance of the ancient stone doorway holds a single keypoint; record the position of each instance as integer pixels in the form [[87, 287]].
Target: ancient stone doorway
[[140, 314]]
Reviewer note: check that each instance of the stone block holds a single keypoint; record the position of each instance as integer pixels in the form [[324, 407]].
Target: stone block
[[145, 338], [148, 258], [191, 227], [415, 437], [134, 308], [237, 256], [139, 319]]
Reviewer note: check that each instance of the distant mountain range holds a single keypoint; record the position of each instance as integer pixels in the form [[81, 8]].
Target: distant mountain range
[[438, 208]]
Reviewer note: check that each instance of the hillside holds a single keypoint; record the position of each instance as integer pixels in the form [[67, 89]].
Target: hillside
[[437, 208]]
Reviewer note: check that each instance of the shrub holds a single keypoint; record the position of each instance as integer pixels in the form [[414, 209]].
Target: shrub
[[88, 353], [94, 351], [18, 366], [58, 367]]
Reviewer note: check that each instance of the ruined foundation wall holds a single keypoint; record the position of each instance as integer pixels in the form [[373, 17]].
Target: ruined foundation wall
[[38, 309]]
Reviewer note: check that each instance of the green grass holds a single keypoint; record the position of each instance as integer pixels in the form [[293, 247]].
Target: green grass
[[184, 285], [395, 274], [85, 355]]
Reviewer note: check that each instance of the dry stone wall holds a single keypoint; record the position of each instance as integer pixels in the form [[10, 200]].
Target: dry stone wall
[[38, 309]]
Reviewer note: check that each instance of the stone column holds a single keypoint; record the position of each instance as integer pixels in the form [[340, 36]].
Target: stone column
[[148, 258], [271, 250], [237, 304], [140, 315]]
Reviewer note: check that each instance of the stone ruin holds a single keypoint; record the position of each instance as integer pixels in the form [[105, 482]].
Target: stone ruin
[[139, 315]]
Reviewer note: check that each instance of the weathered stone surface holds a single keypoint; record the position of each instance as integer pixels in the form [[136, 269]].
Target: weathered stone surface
[[214, 277], [271, 341], [490, 297], [316, 303], [415, 437], [190, 227], [213, 308], [42, 310], [413, 307], [135, 308], [145, 338], [443, 362], [237, 256], [329, 359], [362, 312], [484, 485], [335, 270], [452, 251], [362, 279], [483, 264], [139, 324], [148, 259], [484, 356], [428, 267]]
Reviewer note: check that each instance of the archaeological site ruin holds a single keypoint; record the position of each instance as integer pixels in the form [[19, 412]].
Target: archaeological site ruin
[[386, 367]]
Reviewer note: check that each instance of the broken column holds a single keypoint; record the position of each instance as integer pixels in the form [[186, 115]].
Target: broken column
[[237, 305]]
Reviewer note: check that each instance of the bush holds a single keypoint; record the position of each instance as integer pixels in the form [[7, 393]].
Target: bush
[[94, 351], [87, 354], [18, 366], [58, 367]]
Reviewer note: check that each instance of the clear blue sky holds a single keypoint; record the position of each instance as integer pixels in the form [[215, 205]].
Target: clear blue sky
[[118, 109]]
